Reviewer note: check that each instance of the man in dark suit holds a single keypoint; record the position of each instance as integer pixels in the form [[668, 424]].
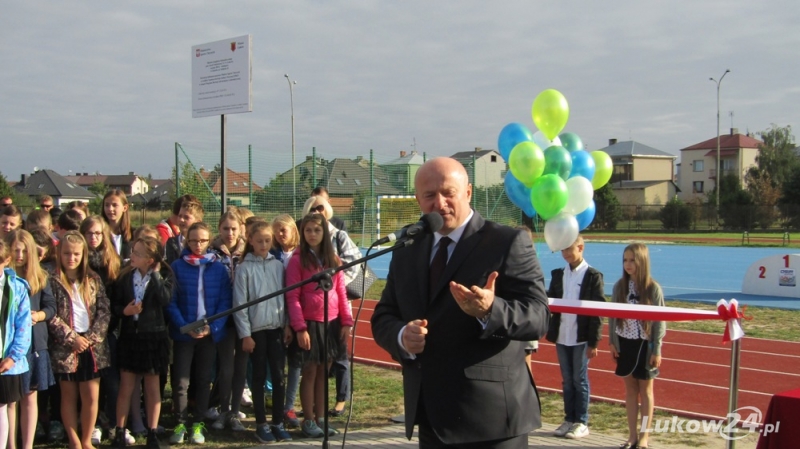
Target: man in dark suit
[[458, 309]]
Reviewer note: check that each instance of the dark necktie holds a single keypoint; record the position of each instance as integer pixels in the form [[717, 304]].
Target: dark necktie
[[438, 265]]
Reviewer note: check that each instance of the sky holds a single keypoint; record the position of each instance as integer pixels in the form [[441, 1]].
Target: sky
[[98, 86]]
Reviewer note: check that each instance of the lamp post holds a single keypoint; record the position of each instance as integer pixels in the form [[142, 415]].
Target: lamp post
[[294, 171], [719, 177]]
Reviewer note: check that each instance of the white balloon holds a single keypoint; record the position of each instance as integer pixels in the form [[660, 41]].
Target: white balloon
[[561, 231], [543, 142], [580, 193]]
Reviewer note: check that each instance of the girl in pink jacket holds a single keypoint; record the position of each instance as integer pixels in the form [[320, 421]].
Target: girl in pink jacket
[[305, 306]]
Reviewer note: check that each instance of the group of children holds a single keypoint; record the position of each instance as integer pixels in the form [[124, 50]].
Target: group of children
[[635, 345], [95, 310]]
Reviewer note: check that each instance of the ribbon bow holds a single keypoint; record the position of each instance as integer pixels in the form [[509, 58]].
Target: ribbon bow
[[730, 313]]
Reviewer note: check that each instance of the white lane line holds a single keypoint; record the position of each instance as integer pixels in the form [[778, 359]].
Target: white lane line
[[684, 382]]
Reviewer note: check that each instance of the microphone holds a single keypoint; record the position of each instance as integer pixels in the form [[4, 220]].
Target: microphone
[[428, 223]]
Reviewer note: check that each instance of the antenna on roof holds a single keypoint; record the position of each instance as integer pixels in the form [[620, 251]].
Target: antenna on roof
[[730, 113], [35, 169]]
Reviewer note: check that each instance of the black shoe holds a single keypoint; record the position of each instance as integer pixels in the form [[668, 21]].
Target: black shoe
[[152, 439], [119, 439], [336, 413]]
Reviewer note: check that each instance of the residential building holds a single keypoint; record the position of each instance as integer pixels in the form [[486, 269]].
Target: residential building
[[48, 182], [238, 186], [485, 168], [131, 184], [642, 175], [698, 174], [160, 195], [401, 171]]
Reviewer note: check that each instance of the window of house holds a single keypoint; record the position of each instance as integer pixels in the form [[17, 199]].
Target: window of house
[[358, 182], [494, 158], [697, 165], [339, 181], [697, 187]]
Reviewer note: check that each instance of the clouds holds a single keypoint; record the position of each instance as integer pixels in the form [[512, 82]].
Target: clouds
[[106, 86]]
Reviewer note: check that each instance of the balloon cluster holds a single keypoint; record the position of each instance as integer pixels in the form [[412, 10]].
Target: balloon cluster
[[552, 174]]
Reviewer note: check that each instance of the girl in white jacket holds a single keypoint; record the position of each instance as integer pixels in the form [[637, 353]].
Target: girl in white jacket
[[263, 326]]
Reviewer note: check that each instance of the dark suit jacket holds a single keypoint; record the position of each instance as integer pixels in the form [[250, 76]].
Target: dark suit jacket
[[473, 381], [589, 327]]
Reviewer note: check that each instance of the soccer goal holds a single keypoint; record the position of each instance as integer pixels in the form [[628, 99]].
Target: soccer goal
[[392, 212]]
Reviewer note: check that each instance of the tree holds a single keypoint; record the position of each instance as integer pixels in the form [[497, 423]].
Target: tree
[[5, 189], [608, 210], [789, 202], [766, 195], [776, 158], [737, 209], [676, 215]]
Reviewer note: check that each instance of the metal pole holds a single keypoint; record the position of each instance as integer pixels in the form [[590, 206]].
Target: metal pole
[[371, 182], [250, 175], [177, 173], [719, 175], [294, 170], [223, 176], [733, 395]]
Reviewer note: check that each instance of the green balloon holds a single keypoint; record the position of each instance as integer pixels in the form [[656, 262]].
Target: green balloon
[[526, 162], [549, 195], [571, 142], [550, 112], [558, 162], [603, 169]]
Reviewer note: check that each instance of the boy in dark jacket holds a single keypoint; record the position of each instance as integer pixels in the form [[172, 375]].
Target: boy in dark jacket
[[575, 336]]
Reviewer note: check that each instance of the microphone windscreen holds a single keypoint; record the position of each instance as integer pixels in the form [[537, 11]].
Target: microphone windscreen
[[433, 220]]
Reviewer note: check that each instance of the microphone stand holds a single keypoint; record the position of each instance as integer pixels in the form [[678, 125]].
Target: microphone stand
[[324, 280]]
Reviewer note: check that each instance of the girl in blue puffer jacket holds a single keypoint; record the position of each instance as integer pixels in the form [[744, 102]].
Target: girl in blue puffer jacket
[[202, 288]]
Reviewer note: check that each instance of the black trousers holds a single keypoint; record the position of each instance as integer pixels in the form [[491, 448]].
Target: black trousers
[[429, 440], [268, 353]]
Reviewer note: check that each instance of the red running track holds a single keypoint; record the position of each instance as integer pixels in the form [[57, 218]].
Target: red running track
[[695, 370]]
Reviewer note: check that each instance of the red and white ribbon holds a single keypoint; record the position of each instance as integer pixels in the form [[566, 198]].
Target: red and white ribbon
[[630, 311], [729, 311]]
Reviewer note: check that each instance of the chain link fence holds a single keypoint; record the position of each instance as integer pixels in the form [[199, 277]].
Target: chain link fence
[[262, 180]]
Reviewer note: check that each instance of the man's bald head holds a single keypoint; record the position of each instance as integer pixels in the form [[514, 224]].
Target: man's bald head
[[442, 186]]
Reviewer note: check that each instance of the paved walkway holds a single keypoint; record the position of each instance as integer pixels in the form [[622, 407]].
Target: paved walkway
[[393, 437]]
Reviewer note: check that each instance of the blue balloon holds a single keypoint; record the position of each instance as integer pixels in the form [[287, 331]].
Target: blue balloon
[[582, 164], [510, 136], [585, 218], [519, 194]]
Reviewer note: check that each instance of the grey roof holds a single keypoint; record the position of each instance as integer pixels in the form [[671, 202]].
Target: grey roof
[[343, 177], [412, 158], [160, 191], [466, 156], [48, 182], [633, 148]]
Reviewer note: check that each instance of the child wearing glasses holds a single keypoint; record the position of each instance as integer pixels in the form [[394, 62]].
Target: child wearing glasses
[[202, 288]]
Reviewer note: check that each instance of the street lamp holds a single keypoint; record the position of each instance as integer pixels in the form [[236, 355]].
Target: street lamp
[[294, 172], [719, 177]]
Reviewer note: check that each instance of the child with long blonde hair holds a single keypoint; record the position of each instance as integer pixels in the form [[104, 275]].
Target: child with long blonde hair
[[263, 327], [115, 213], [103, 258], [15, 328], [39, 377], [78, 332], [306, 314], [636, 344]]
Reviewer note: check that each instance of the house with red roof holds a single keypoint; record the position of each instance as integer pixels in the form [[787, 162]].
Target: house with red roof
[[238, 186], [698, 169]]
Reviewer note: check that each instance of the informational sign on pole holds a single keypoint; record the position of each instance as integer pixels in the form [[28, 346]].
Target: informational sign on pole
[[222, 75]]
